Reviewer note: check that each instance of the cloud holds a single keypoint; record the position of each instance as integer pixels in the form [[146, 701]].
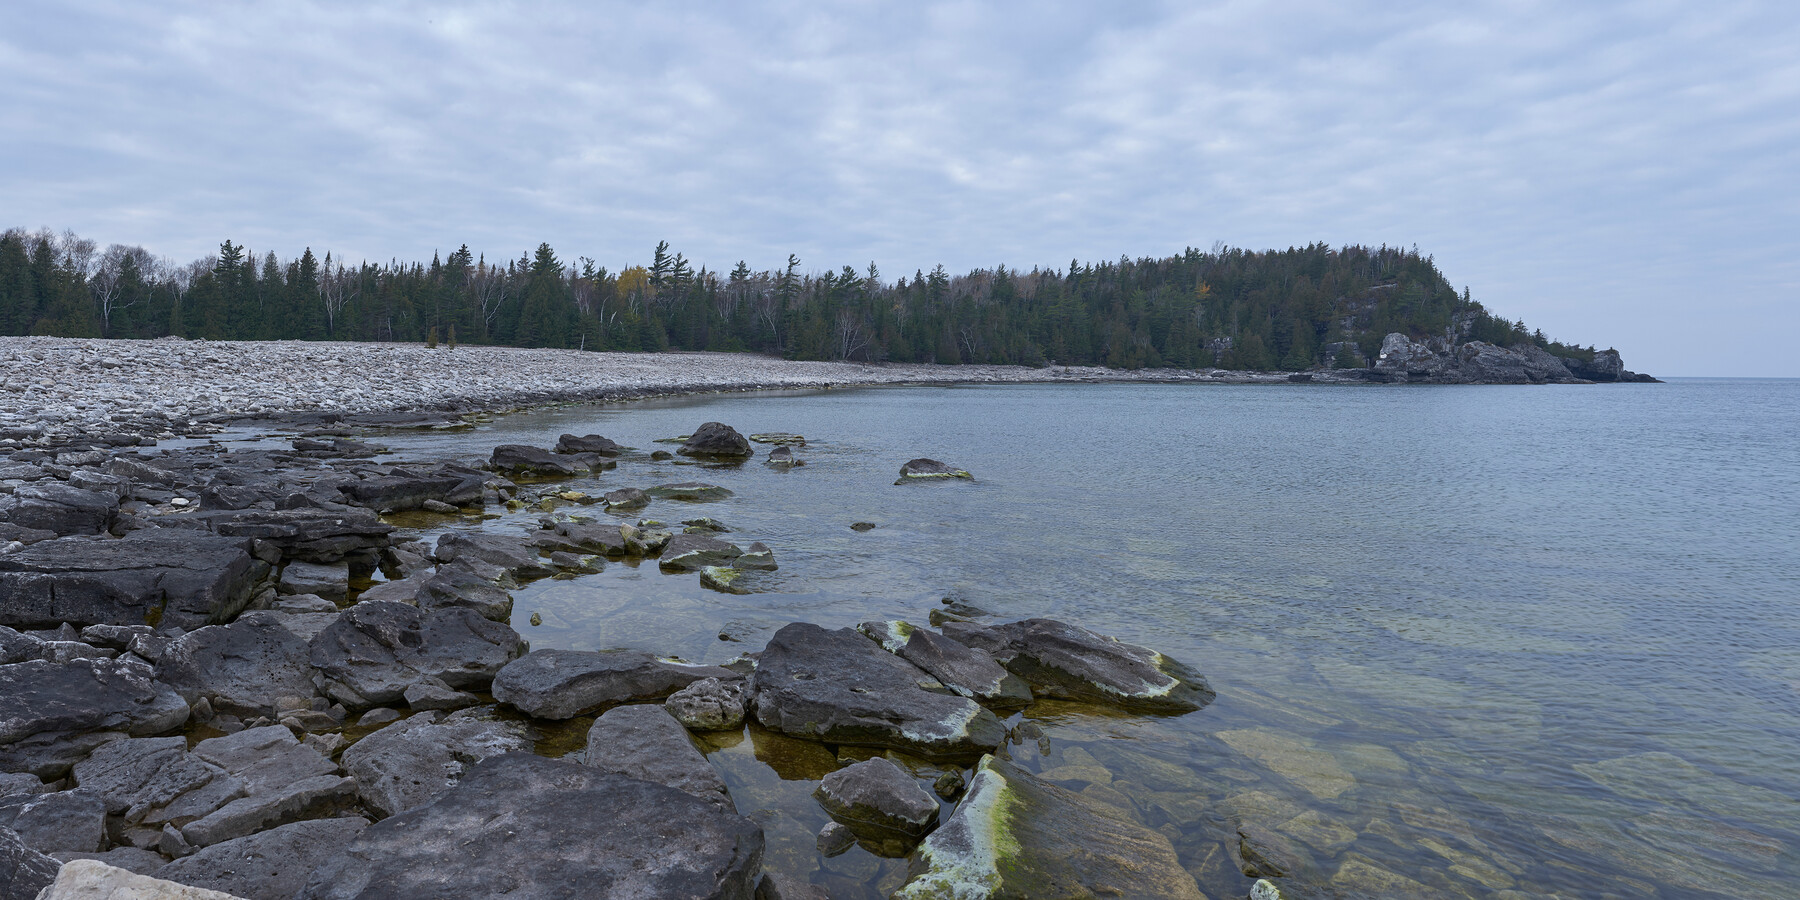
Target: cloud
[[1617, 173]]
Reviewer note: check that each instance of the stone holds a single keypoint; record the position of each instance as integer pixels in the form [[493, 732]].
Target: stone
[[716, 440], [289, 802], [116, 637], [459, 586], [783, 457], [131, 859], [759, 557], [876, 796], [835, 838], [376, 650], [90, 879], [1015, 836], [646, 742], [331, 582], [16, 783], [512, 554], [693, 552], [949, 785], [407, 764], [405, 590], [65, 820], [690, 491], [23, 871], [378, 717], [840, 688], [863, 526], [710, 704], [437, 695], [157, 576], [591, 443], [523, 826], [50, 755], [563, 684], [56, 507], [1072, 663], [519, 459], [315, 535], [626, 498], [154, 780], [1314, 770], [271, 865], [963, 669], [403, 492], [923, 469], [241, 668], [724, 579], [85, 695]]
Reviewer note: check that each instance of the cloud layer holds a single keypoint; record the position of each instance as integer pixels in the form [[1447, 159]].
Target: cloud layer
[[1616, 173]]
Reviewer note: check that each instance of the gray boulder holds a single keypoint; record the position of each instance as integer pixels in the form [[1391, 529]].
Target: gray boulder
[[411, 491], [23, 871], [1048, 842], [646, 742], [156, 576], [331, 582], [459, 585], [155, 780], [924, 469], [272, 865], [717, 440], [519, 459], [306, 534], [963, 669], [242, 668], [591, 443], [563, 684], [710, 704], [50, 755], [375, 650], [511, 554], [526, 827], [15, 783], [91, 879], [877, 799], [406, 764], [840, 688], [57, 507], [693, 552], [1072, 663], [626, 498], [283, 781], [85, 695], [66, 820]]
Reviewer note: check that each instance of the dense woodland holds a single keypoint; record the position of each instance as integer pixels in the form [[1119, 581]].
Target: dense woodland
[[1293, 309]]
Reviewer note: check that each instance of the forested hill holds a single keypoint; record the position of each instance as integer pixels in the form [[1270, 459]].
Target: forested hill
[[1293, 309]]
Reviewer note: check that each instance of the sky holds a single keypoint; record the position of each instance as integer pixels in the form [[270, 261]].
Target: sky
[[1618, 174]]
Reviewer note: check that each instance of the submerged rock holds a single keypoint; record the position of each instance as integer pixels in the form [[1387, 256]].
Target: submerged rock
[[724, 579], [716, 440], [523, 826], [1015, 836], [563, 684], [923, 469], [783, 457], [691, 491], [840, 688], [1070, 662]]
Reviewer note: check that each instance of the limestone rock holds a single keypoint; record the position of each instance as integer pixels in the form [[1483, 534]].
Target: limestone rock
[[23, 871], [645, 742], [241, 668], [85, 695], [271, 865], [563, 684], [591, 443], [408, 763], [376, 650], [691, 491], [716, 440], [923, 469], [710, 704], [59, 508], [1070, 662], [877, 796], [963, 669], [692, 552], [65, 820], [160, 576], [88, 879]]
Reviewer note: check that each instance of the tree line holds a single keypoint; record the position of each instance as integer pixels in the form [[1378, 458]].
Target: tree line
[[1293, 309]]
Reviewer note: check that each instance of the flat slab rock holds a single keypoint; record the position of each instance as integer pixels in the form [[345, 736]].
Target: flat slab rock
[[563, 684], [1072, 663], [839, 687], [88, 879], [521, 826], [85, 695], [242, 668], [1016, 836], [376, 650], [161, 576], [408, 763], [273, 864], [961, 668], [646, 742]]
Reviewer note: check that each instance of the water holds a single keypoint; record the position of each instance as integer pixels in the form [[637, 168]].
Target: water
[[1467, 640]]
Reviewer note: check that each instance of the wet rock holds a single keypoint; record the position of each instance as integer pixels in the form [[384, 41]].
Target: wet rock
[[65, 820], [1015, 836], [646, 742], [57, 507], [523, 826], [877, 797], [331, 582], [717, 441], [1070, 662], [759, 558], [459, 586], [89, 879], [783, 457], [272, 865], [724, 579], [563, 684], [691, 491], [23, 871], [963, 669], [863, 526], [949, 785], [1314, 770], [835, 838], [376, 650], [643, 539], [519, 459], [840, 688], [242, 668], [157, 576], [710, 704], [439, 507], [512, 554], [923, 469], [1266, 854], [404, 492], [591, 443], [779, 438], [661, 455], [408, 763], [626, 498], [85, 695], [692, 552]]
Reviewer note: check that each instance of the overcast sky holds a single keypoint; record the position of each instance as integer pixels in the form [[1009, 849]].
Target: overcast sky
[[1622, 174]]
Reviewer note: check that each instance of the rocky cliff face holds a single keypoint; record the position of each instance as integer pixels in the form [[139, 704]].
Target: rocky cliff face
[[1440, 361]]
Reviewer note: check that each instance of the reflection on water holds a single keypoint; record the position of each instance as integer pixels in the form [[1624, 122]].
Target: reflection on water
[[1468, 641]]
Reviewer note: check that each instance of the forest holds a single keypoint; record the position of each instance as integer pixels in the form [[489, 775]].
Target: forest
[[1295, 309]]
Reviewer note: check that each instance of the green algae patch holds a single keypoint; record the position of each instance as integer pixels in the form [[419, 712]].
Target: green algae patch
[[1016, 836]]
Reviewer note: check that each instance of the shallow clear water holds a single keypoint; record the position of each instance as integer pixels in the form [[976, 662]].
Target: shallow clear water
[[1466, 639]]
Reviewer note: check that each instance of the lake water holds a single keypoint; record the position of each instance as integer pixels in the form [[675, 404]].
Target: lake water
[[1467, 640]]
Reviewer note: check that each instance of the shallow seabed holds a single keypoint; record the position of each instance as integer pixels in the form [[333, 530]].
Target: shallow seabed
[[1467, 640]]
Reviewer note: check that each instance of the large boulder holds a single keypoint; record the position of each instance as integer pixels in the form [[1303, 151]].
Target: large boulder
[[1015, 836], [717, 440], [376, 650], [1403, 359], [85, 695], [841, 688], [590, 443], [563, 684], [520, 459], [57, 507], [409, 762], [645, 742], [459, 585], [877, 798], [1072, 663], [961, 668], [242, 668], [23, 871], [271, 865], [157, 576], [526, 827]]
